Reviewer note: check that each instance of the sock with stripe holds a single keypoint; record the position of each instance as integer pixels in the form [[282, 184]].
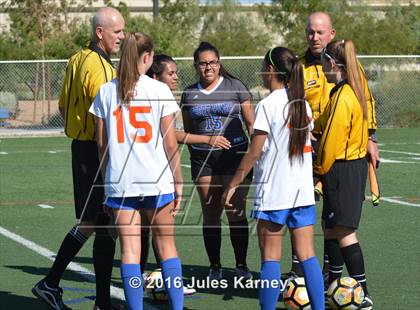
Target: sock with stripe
[[336, 262], [355, 264], [269, 294], [172, 279], [133, 285], [239, 235], [314, 282], [326, 258], [213, 241], [296, 268], [70, 246]]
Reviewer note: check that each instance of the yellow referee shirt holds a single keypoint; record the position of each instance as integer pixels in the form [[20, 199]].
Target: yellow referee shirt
[[86, 71], [344, 130], [317, 89]]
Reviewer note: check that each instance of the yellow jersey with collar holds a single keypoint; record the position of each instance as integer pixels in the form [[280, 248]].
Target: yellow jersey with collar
[[344, 129], [86, 72], [317, 89]]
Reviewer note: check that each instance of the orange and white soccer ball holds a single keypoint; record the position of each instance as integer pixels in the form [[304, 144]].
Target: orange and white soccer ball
[[295, 296], [345, 294]]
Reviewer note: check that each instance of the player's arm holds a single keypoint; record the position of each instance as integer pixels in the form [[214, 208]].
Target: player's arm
[[334, 138], [171, 149], [215, 141], [248, 115], [102, 143], [247, 162], [372, 147]]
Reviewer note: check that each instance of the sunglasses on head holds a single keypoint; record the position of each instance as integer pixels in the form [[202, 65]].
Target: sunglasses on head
[[327, 56]]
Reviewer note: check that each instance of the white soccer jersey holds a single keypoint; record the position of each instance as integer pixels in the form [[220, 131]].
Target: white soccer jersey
[[280, 184], [137, 163]]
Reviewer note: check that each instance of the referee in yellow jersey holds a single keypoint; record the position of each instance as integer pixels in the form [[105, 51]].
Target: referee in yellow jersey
[[86, 71], [320, 32], [341, 160]]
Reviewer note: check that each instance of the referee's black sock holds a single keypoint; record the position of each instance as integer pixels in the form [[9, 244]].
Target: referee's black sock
[[295, 263], [213, 241], [355, 264], [239, 235], [336, 262], [145, 244], [103, 260], [70, 246]]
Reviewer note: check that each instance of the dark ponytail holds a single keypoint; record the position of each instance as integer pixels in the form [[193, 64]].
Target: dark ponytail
[[289, 72]]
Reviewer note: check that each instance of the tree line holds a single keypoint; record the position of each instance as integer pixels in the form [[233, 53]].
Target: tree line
[[42, 29]]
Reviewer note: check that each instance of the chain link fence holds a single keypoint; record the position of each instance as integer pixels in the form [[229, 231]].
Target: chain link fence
[[29, 90]]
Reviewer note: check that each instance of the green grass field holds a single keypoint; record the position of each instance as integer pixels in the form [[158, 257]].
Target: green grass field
[[37, 171]]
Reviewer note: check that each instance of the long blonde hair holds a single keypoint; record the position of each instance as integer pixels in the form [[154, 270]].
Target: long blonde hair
[[133, 46], [344, 54]]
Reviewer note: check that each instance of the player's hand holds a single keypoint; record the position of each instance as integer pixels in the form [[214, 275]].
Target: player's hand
[[178, 199], [313, 137], [373, 153], [219, 141], [227, 196]]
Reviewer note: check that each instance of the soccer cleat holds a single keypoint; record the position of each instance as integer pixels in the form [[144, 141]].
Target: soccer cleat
[[189, 291], [367, 303], [52, 296], [215, 272], [243, 272]]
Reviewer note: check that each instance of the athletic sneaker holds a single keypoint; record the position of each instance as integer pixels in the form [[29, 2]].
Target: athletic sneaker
[[189, 291], [367, 303], [215, 272], [243, 272], [52, 296]]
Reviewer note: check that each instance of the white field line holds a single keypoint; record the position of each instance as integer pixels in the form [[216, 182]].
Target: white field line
[[399, 202], [84, 272], [399, 152], [24, 152], [186, 166], [116, 292], [391, 161], [43, 206]]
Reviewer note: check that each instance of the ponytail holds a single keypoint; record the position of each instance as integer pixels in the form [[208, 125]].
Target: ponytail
[[354, 74], [289, 71], [344, 54], [298, 117], [133, 46]]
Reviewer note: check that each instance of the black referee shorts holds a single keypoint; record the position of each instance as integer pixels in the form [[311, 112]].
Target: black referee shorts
[[344, 192], [217, 162], [88, 192]]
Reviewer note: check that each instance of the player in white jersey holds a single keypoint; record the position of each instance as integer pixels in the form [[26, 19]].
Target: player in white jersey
[[141, 165], [284, 194]]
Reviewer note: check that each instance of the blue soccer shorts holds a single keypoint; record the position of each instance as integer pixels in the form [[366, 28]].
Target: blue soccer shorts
[[141, 202], [293, 218]]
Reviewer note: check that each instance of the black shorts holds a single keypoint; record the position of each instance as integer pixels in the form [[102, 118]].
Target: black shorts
[[216, 162], [88, 192], [344, 192]]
